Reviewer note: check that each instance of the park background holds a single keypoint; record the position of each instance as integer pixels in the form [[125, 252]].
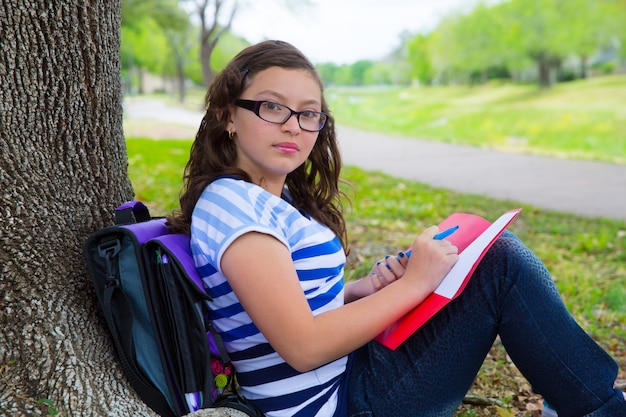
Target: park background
[[556, 87], [544, 77]]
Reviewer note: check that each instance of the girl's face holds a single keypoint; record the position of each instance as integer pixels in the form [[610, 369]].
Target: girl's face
[[268, 151]]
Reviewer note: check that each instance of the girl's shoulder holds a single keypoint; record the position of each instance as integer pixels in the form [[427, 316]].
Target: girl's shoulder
[[237, 189], [235, 197]]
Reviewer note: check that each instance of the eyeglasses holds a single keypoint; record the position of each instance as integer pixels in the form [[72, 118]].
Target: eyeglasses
[[311, 121]]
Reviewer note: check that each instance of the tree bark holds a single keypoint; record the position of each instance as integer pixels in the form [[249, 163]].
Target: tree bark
[[63, 166]]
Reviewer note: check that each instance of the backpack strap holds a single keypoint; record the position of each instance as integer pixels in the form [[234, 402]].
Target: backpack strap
[[131, 212], [114, 299]]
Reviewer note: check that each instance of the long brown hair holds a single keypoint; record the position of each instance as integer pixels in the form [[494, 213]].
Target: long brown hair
[[314, 186]]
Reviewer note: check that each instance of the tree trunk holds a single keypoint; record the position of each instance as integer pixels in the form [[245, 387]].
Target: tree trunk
[[206, 50], [180, 80], [584, 65], [548, 67], [545, 79], [63, 166]]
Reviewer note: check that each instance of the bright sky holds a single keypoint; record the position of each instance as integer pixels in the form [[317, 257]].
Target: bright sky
[[343, 31]]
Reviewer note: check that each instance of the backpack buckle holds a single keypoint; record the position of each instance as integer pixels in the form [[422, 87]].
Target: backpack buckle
[[108, 250]]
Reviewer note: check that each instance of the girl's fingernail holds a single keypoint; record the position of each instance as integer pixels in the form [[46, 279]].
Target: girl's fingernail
[[388, 256], [388, 267], [401, 254]]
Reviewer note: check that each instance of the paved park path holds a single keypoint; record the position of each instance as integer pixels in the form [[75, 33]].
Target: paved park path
[[579, 187]]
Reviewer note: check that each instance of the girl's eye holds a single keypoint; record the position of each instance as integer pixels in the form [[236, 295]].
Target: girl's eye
[[272, 106], [310, 114]]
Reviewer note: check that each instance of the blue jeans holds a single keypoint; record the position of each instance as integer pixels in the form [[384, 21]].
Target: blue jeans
[[512, 295]]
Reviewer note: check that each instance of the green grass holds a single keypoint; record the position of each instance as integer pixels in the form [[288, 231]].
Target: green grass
[[156, 171], [584, 119], [586, 256]]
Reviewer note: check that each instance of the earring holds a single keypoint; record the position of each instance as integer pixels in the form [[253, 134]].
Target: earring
[[231, 134]]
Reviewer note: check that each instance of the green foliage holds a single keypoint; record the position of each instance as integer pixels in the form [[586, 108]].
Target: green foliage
[[165, 13], [515, 33], [153, 38], [159, 37], [364, 73], [475, 42], [228, 46], [359, 69], [421, 68], [514, 39], [52, 410], [504, 40], [144, 45], [583, 119]]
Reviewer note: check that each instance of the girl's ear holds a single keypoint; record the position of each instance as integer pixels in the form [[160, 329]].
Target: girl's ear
[[230, 124]]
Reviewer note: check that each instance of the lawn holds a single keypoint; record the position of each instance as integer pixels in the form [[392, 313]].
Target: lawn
[[584, 119], [587, 257]]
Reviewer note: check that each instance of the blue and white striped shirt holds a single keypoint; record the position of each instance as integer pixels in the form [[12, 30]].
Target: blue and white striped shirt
[[227, 209]]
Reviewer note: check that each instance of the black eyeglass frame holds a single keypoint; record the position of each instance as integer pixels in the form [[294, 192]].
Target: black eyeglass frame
[[255, 107]]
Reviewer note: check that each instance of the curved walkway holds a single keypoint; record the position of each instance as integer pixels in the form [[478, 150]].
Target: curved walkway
[[579, 187]]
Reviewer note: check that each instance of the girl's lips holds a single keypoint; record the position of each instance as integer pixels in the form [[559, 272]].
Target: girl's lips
[[287, 147]]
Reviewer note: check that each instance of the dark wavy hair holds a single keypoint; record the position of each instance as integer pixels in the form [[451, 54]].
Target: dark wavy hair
[[314, 186]]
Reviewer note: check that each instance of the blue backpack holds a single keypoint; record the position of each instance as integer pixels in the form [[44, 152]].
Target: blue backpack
[[156, 310]]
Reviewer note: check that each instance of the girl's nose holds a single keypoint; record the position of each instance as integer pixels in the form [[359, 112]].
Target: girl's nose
[[292, 124]]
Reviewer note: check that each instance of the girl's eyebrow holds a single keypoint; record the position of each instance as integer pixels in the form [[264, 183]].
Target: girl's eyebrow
[[281, 97]]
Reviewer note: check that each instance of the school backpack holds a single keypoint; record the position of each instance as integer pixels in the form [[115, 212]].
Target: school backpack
[[157, 312]]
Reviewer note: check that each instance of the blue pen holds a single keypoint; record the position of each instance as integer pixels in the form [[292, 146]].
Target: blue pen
[[438, 236], [445, 233]]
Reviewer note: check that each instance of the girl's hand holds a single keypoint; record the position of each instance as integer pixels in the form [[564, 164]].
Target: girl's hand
[[430, 260], [388, 270]]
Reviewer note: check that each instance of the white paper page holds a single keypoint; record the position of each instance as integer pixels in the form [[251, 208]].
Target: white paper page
[[451, 282]]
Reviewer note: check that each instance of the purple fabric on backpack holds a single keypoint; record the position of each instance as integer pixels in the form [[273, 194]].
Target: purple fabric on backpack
[[145, 231], [178, 244], [134, 205], [132, 212]]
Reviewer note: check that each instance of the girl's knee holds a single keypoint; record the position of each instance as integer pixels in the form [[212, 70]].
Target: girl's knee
[[509, 249]]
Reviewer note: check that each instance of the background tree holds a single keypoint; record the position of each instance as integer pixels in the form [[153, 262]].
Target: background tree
[[145, 49], [546, 33], [420, 67], [510, 37], [182, 44], [148, 29], [215, 19], [209, 13], [181, 37]]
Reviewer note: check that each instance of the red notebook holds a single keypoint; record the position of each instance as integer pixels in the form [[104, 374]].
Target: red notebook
[[474, 237]]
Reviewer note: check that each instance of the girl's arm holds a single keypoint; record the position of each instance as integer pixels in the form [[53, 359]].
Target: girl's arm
[[261, 272]]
